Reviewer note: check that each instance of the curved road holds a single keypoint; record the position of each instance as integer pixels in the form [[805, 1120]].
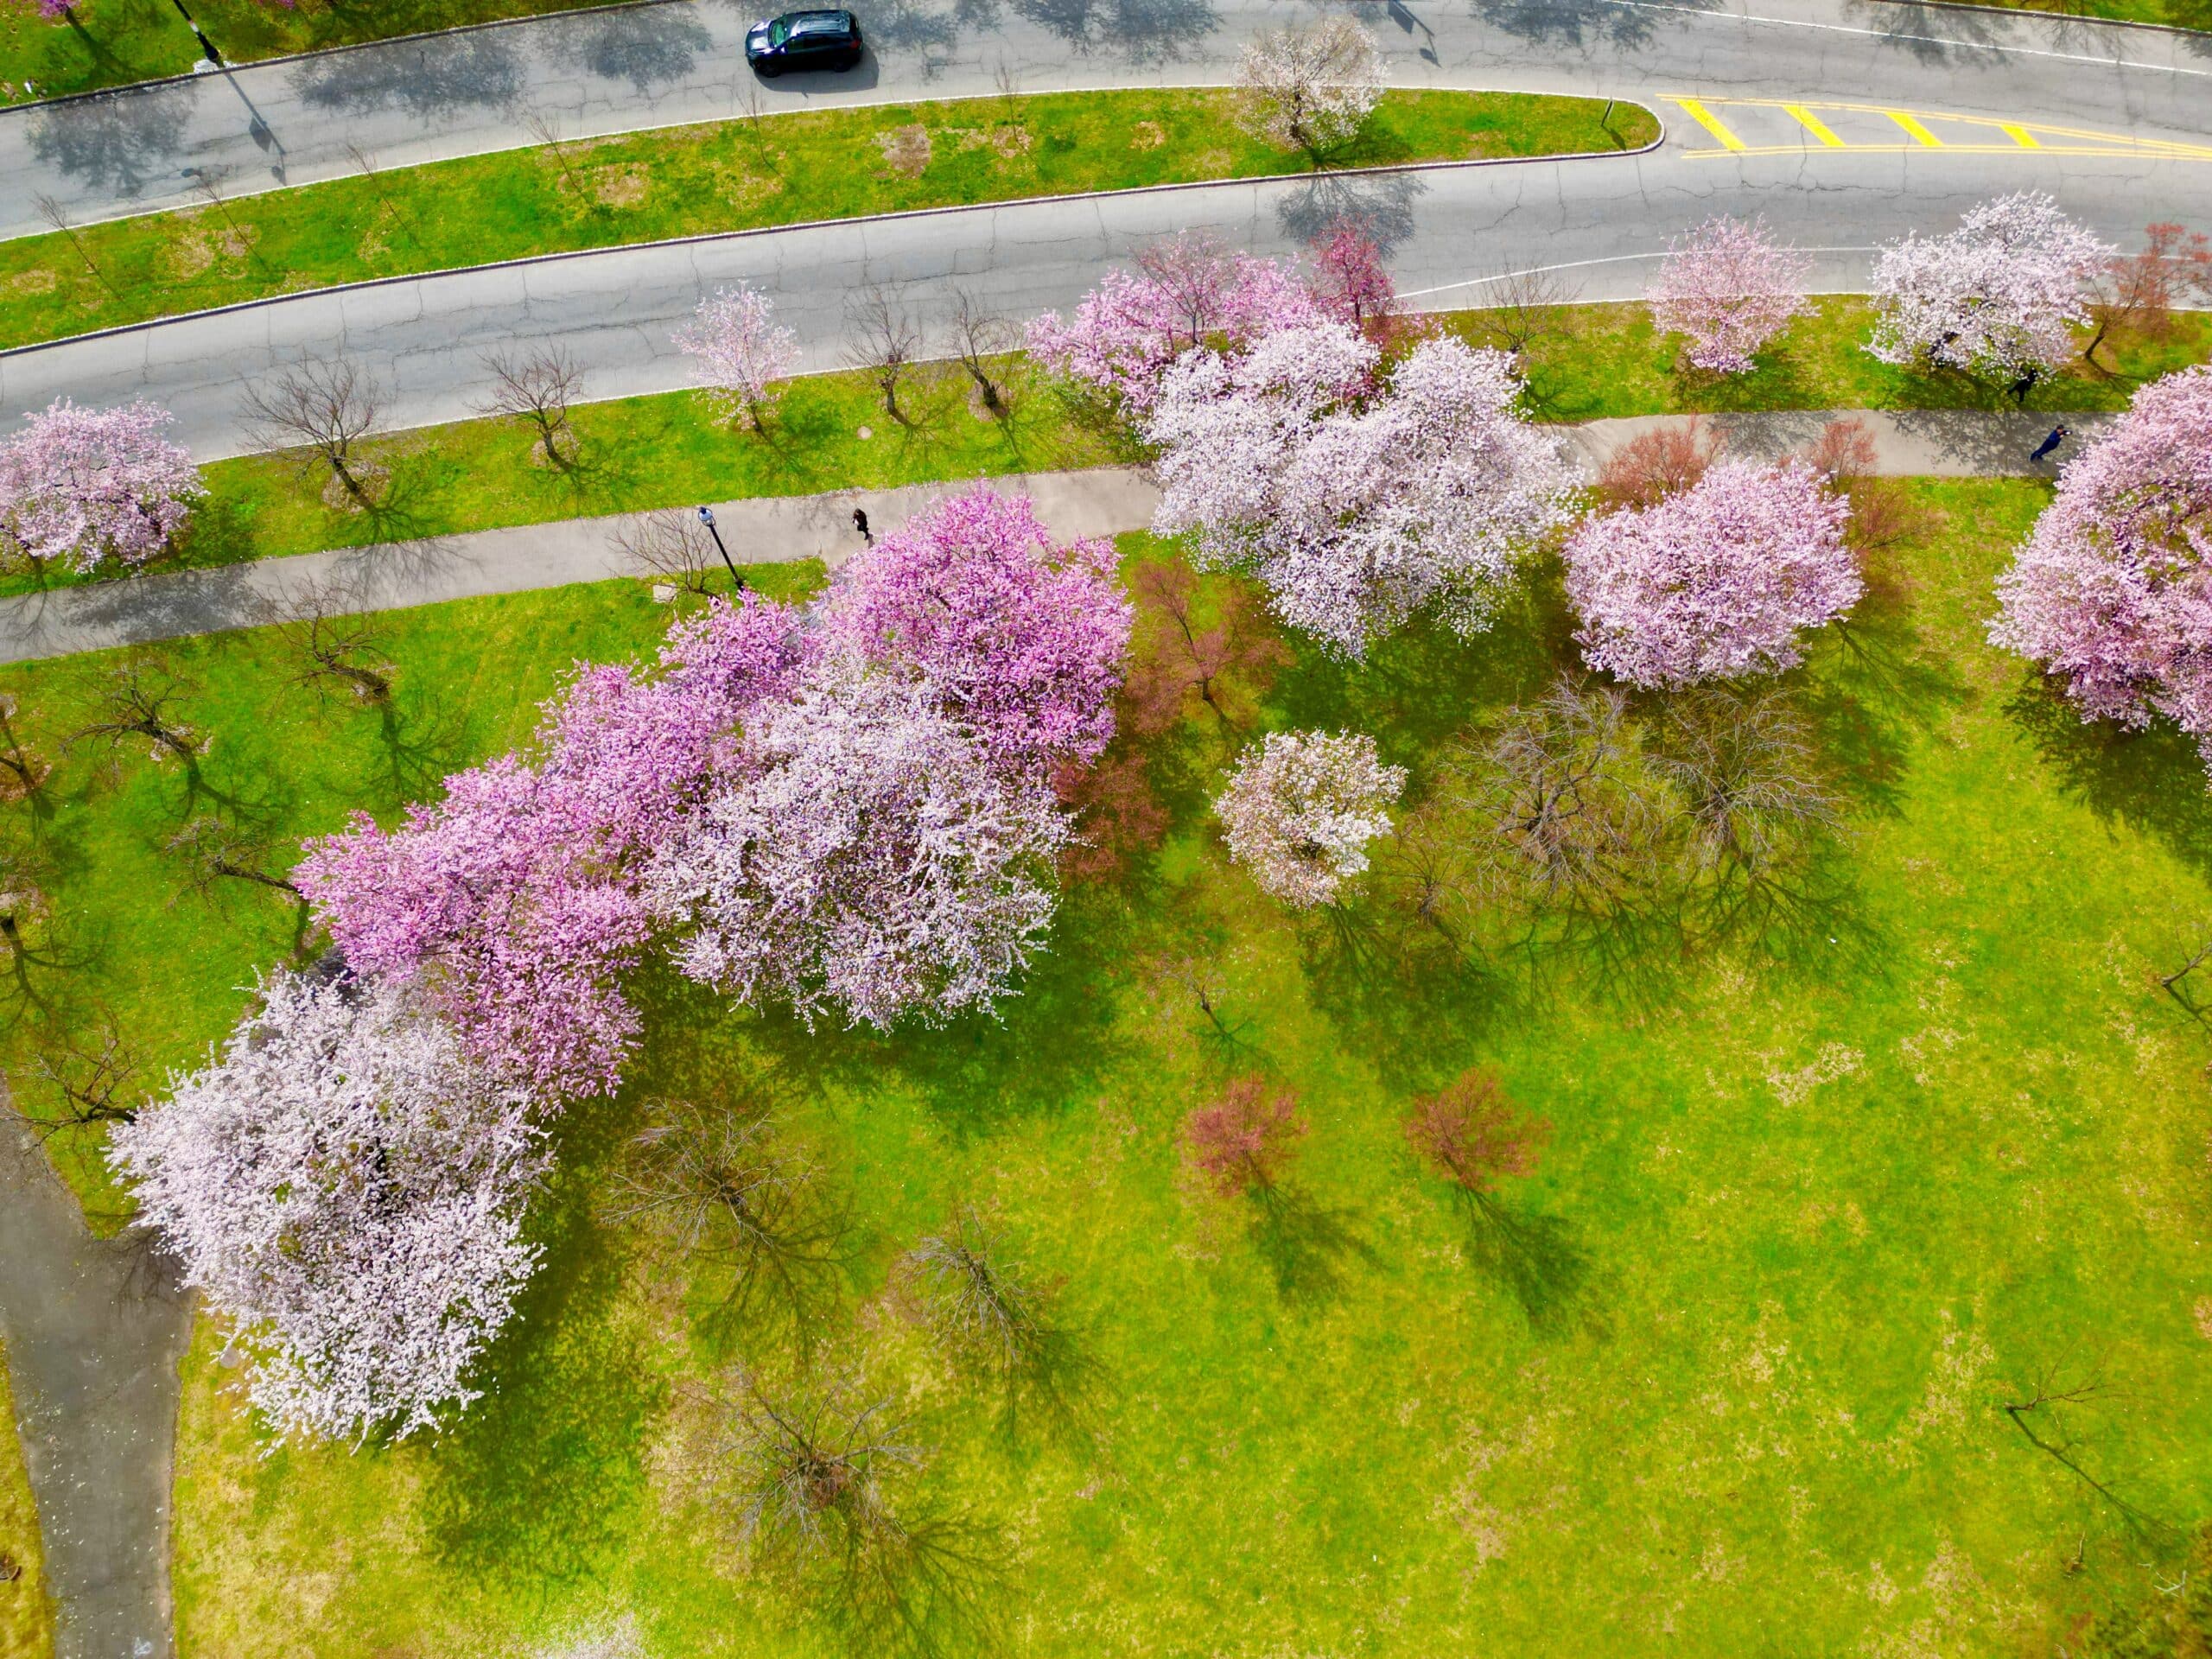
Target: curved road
[[1846, 124]]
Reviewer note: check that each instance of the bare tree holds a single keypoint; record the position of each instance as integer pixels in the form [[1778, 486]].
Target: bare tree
[[715, 1191], [1742, 763], [537, 387], [324, 407], [979, 335], [18, 761], [1524, 306], [671, 545], [87, 1080], [54, 214], [214, 851], [810, 1481], [329, 644], [546, 128], [993, 1317], [884, 345], [139, 700]]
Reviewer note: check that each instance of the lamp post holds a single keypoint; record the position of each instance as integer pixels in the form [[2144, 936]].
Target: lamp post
[[206, 45], [706, 518]]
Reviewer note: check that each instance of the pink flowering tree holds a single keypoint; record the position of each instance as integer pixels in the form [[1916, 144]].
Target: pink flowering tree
[[1019, 638], [345, 1187], [1300, 809], [1996, 298], [516, 899], [1358, 506], [1715, 582], [2112, 592], [1729, 288], [869, 860], [741, 352], [1186, 292], [81, 486]]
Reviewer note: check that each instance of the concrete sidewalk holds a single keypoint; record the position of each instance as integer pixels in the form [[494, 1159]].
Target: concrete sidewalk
[[1109, 502]]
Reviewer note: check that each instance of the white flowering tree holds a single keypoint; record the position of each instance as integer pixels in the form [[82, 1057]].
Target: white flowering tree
[[873, 863], [1357, 504], [1728, 287], [1301, 807], [1997, 298], [345, 1186], [1310, 89], [741, 352]]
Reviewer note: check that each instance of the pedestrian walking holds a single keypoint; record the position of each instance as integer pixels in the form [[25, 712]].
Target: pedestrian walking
[[2026, 383], [2057, 436], [860, 522]]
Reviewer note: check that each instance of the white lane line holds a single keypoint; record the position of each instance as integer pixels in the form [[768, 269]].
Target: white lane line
[[1918, 40], [1573, 264]]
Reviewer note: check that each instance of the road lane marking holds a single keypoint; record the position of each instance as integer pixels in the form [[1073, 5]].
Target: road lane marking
[[1914, 130], [1697, 112], [1813, 125], [2021, 136]]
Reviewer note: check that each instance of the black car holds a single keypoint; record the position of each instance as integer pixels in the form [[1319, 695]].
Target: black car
[[804, 40]]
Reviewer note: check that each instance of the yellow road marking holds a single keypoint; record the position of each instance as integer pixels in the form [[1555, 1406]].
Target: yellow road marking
[[1914, 149], [1813, 125], [1699, 113], [2020, 135], [1914, 130]]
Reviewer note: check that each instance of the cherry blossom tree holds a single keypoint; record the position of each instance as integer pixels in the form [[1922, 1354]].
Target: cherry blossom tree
[[345, 1186], [2112, 592], [1356, 509], [1995, 298], [1301, 807], [742, 351], [517, 897], [869, 860], [1019, 638], [1310, 89], [1186, 291], [1729, 288], [1715, 582], [80, 487]]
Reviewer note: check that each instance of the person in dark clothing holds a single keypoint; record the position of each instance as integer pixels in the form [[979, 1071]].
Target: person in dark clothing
[[2026, 383], [2057, 436], [860, 522]]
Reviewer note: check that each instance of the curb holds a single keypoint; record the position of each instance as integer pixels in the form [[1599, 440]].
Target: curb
[[2178, 30], [705, 237]]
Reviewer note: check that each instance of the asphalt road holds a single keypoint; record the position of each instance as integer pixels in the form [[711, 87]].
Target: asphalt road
[[678, 60]]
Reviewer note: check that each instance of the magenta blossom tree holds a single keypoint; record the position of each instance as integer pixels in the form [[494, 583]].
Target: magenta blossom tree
[[1715, 582], [1996, 298], [81, 486], [1019, 638], [742, 351], [1351, 283], [1729, 288], [1358, 506], [869, 861], [516, 899], [1187, 291], [2112, 593], [345, 1186]]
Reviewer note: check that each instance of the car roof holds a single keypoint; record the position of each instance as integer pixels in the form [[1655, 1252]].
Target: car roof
[[811, 22]]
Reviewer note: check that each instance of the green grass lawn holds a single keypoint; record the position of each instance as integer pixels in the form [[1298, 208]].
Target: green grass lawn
[[1585, 362], [26, 1616], [1808, 1226], [2174, 13], [114, 42], [727, 176]]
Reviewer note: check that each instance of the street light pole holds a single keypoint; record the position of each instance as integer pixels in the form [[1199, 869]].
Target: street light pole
[[206, 45], [706, 518]]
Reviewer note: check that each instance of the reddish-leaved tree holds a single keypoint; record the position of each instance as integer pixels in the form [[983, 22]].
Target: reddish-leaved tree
[[1654, 465], [1472, 1133], [1246, 1141]]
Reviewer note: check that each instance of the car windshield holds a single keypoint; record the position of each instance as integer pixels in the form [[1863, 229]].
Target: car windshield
[[778, 32]]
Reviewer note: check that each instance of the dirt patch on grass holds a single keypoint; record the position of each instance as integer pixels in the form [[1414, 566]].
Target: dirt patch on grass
[[37, 280], [1011, 142], [746, 191], [199, 244], [621, 186], [372, 477], [906, 150], [1148, 134], [1212, 163]]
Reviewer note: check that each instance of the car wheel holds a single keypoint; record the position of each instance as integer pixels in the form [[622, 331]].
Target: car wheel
[[767, 71]]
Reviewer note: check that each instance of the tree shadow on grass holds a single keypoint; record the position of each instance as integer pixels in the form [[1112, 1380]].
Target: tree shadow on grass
[[1534, 1257], [2152, 781], [1408, 1000], [1307, 1245], [540, 1480]]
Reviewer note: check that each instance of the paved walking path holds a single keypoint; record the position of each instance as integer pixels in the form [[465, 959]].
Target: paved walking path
[[95, 1331], [1107, 501], [404, 102]]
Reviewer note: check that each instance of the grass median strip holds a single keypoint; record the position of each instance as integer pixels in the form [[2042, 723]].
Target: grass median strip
[[731, 175]]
